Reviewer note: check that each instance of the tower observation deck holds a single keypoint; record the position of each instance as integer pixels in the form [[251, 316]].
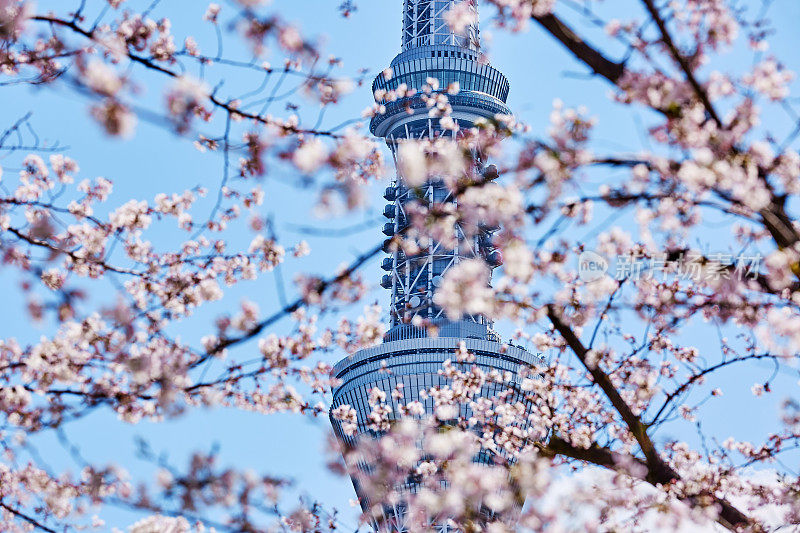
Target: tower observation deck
[[410, 355]]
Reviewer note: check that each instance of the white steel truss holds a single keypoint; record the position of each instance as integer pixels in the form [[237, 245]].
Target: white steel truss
[[425, 24], [413, 279]]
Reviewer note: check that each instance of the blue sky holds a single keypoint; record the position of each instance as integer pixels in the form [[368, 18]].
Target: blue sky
[[156, 161]]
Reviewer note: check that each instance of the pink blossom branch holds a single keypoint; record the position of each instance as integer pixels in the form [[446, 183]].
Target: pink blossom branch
[[296, 304], [681, 61], [658, 470], [44, 244], [152, 65], [774, 217]]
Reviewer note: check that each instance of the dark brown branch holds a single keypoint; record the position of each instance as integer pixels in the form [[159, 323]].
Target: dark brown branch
[[26, 518], [594, 454], [779, 225], [635, 425], [729, 516], [596, 61], [658, 471], [666, 38]]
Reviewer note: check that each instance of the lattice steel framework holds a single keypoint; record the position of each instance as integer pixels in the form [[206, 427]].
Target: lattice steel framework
[[424, 24], [408, 354], [414, 278], [482, 94]]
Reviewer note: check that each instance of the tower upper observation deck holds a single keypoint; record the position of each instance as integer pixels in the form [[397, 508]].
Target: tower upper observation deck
[[433, 49]]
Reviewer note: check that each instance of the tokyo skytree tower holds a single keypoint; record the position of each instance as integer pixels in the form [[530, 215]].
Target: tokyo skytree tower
[[409, 354]]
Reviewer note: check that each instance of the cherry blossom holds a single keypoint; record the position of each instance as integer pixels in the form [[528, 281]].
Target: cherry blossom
[[697, 224]]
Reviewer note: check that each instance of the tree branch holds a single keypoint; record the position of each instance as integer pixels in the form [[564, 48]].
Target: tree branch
[[658, 471], [666, 38], [774, 216], [595, 60], [728, 516], [594, 454], [26, 518], [699, 375], [295, 305], [635, 425], [152, 65]]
